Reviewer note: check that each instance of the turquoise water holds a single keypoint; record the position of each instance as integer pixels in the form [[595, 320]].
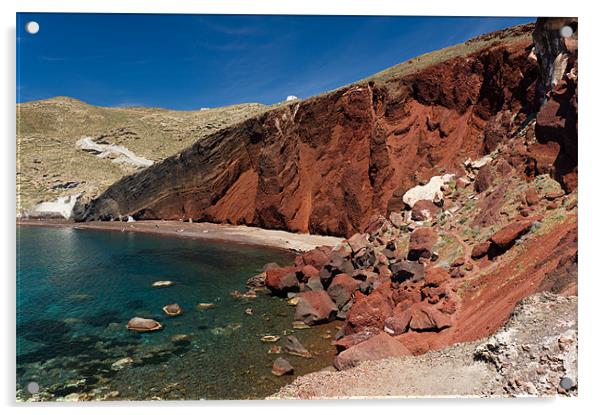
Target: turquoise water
[[76, 290]]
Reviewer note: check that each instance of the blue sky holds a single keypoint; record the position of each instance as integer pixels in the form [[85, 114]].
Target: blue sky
[[194, 61]]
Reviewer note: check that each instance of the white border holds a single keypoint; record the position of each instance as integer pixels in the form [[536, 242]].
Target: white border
[[589, 199]]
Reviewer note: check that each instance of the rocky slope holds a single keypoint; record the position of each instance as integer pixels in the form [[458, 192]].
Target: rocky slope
[[327, 164], [534, 354], [66, 147], [467, 247]]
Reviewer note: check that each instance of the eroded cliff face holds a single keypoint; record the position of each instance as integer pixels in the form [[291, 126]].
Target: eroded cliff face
[[327, 164]]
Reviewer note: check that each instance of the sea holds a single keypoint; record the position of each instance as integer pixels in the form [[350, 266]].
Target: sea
[[77, 289]]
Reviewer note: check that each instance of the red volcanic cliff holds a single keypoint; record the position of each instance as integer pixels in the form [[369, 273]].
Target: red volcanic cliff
[[327, 164]]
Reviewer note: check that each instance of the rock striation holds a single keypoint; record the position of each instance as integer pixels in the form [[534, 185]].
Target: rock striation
[[327, 164]]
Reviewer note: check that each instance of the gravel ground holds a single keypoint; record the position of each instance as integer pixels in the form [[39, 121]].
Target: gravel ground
[[528, 356]]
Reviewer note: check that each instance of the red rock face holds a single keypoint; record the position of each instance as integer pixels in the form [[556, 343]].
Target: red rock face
[[327, 164]]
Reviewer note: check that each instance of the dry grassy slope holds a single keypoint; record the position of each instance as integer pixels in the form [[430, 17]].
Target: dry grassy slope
[[47, 132]]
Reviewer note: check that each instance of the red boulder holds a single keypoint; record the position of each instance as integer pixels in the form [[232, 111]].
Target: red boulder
[[422, 241], [281, 281], [381, 346], [315, 307], [342, 288]]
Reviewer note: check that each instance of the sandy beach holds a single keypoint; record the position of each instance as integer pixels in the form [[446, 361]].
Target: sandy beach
[[297, 242]]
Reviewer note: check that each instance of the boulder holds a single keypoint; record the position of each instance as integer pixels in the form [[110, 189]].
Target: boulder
[[397, 324], [142, 325], [435, 276], [317, 257], [358, 242], [430, 191], [381, 346], [396, 219], [480, 250], [484, 179], [425, 317], [315, 307], [422, 241], [424, 210], [407, 270], [342, 288], [369, 311], [282, 367], [314, 284], [531, 196], [293, 346], [281, 281], [505, 237], [307, 272], [351, 340]]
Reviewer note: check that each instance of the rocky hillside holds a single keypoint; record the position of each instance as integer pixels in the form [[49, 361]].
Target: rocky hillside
[[327, 164], [468, 246], [54, 162]]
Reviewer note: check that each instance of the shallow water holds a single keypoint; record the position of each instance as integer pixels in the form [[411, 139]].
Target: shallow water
[[76, 290]]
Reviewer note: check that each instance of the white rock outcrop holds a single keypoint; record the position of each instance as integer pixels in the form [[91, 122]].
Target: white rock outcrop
[[430, 191]]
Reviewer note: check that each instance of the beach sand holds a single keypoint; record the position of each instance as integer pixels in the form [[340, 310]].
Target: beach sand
[[218, 232]]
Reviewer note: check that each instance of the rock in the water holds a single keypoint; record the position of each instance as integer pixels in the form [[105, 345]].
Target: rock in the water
[[342, 288], [256, 281], [142, 325], [378, 347], [162, 284], [180, 339], [121, 363], [293, 346], [422, 241], [269, 338], [204, 306], [282, 367], [281, 281], [172, 310], [315, 307]]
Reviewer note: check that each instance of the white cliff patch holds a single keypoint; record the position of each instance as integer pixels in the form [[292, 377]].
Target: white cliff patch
[[119, 154], [61, 207], [430, 191]]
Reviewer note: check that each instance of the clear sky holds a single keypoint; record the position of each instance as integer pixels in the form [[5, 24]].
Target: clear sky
[[194, 61]]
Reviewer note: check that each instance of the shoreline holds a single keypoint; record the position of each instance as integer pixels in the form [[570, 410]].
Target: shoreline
[[241, 234]]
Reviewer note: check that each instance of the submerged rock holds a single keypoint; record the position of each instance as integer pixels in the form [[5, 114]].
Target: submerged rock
[[282, 367], [204, 306], [293, 346], [121, 363]]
